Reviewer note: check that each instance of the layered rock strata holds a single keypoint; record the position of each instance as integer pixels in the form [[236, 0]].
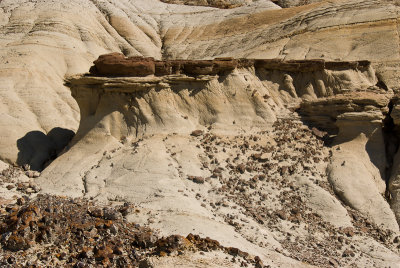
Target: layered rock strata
[[360, 161], [116, 64], [372, 104], [210, 3], [340, 97], [46, 40], [226, 87], [215, 129], [125, 150], [159, 117]]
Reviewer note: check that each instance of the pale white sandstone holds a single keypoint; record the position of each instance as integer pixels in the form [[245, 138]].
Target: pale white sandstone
[[324, 203], [3, 166]]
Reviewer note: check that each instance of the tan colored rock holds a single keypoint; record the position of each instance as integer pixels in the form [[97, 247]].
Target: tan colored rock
[[363, 106], [323, 203], [82, 31], [357, 169], [42, 42]]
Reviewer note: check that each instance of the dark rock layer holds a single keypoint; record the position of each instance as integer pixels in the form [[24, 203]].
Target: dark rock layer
[[116, 64]]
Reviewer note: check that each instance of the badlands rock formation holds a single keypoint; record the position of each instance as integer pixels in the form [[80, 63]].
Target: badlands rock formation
[[220, 139], [45, 40], [271, 130]]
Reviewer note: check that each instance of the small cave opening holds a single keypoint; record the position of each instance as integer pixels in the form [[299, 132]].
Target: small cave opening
[[391, 135]]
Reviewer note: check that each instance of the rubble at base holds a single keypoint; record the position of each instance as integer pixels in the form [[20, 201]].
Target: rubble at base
[[60, 231]]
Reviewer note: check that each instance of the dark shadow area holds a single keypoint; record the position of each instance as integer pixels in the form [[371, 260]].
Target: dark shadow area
[[323, 125], [381, 84], [38, 149], [194, 87], [377, 155], [392, 142]]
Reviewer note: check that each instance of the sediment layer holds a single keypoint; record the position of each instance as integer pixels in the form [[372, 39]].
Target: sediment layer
[[116, 64]]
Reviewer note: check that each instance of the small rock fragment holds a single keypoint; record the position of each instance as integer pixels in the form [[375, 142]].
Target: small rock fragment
[[197, 133], [196, 179]]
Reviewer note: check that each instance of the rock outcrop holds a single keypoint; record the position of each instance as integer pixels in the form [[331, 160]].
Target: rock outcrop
[[268, 129], [210, 3], [116, 64], [150, 28], [214, 128], [293, 3], [327, 112], [272, 83], [357, 118]]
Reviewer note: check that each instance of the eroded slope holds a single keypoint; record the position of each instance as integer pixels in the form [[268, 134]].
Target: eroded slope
[[43, 41], [218, 152]]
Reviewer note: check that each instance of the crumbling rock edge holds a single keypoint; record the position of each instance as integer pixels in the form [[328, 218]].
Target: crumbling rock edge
[[116, 64]]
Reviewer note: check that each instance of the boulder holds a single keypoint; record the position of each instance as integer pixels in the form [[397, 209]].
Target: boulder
[[116, 64]]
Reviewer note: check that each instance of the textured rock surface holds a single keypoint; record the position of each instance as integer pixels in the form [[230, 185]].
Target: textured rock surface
[[359, 161], [60, 225], [116, 64], [43, 41], [293, 3], [210, 3], [212, 147], [236, 167]]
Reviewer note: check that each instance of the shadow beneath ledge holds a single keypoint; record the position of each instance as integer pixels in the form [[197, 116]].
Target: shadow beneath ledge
[[38, 149]]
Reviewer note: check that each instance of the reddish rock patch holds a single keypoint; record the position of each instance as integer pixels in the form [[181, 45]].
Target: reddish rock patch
[[60, 231], [116, 64]]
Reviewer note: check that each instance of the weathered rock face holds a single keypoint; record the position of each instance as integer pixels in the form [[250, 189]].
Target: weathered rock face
[[178, 101], [33, 76], [359, 168], [326, 111], [274, 82], [254, 175], [221, 133], [210, 3], [293, 3], [116, 64]]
